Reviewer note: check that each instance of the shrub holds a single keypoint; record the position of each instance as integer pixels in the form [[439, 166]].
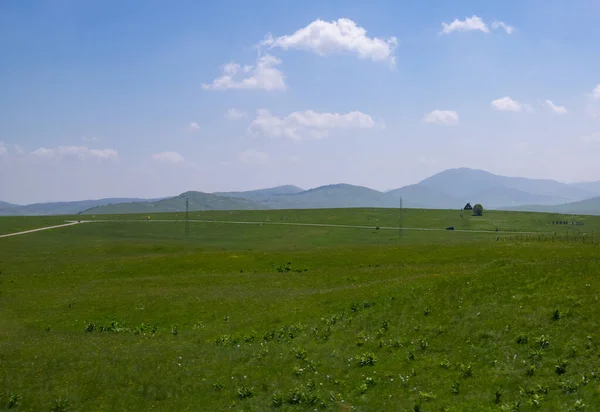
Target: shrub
[[366, 359], [560, 367]]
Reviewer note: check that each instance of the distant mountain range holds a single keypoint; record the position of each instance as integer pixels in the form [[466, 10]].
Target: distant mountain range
[[450, 189]]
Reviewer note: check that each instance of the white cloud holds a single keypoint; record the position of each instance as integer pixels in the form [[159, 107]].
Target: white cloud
[[596, 92], [473, 23], [168, 157], [308, 124], [80, 152], [448, 117], [506, 104], [344, 35], [235, 114], [253, 157], [3, 149], [593, 138], [91, 139], [193, 127], [265, 75], [501, 25], [556, 109], [19, 149]]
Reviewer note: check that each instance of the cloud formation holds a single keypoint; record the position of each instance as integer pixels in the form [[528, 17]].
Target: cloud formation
[[448, 117], [596, 92], [338, 36], [556, 109], [475, 23], [253, 157], [79, 152], [501, 25], [472, 23], [264, 75], [308, 124], [235, 114], [193, 127], [168, 158], [506, 104]]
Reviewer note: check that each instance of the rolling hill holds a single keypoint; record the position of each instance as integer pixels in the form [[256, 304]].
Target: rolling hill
[[583, 207], [59, 208], [468, 183], [450, 189], [197, 201]]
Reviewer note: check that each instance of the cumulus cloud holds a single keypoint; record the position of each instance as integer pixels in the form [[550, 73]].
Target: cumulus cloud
[[448, 117], [253, 157], [168, 158], [596, 92], [472, 23], [556, 109], [235, 114], [264, 75], [79, 152], [501, 25], [308, 124], [341, 36], [193, 127], [506, 104]]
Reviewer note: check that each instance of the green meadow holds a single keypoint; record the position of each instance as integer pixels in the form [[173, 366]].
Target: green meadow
[[130, 314]]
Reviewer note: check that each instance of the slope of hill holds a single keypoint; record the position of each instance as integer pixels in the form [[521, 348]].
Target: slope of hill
[[59, 208], [331, 196], [418, 196], [467, 183], [583, 207], [263, 193], [593, 187], [197, 201]]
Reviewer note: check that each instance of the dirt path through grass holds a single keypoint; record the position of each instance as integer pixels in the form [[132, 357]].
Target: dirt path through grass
[[40, 229]]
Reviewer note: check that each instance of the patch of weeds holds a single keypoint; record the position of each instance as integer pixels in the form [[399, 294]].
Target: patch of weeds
[[560, 367], [535, 400], [423, 344], [366, 359], [578, 406], [498, 395], [60, 405], [426, 396], [522, 339], [304, 394], [410, 355], [568, 386], [249, 338], [362, 339], [426, 311], [440, 330], [530, 370], [321, 333], [277, 399], [536, 355], [283, 268], [13, 401], [556, 315], [543, 341], [368, 382], [455, 388], [466, 370], [299, 353], [404, 380], [445, 364], [47, 328], [244, 392], [298, 371], [218, 386], [511, 407]]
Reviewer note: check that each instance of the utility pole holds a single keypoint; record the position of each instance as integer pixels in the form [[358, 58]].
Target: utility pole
[[187, 216]]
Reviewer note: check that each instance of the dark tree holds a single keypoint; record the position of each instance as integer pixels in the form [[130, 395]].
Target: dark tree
[[477, 210]]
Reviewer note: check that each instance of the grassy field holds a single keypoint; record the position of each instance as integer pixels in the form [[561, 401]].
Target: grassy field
[[134, 315]]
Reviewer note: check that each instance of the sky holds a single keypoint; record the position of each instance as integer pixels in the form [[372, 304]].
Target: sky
[[105, 98]]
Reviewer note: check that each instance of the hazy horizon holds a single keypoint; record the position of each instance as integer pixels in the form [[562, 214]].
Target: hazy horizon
[[104, 100]]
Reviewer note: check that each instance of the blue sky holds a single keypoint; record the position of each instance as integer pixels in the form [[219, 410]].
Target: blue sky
[[110, 98]]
